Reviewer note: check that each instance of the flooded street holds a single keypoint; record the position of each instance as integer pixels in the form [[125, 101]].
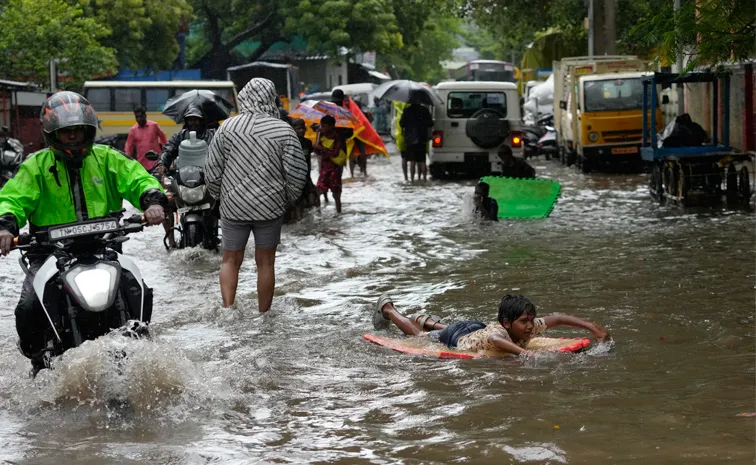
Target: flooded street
[[675, 289]]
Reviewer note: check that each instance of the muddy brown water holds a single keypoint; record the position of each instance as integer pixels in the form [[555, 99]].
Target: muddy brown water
[[299, 385]]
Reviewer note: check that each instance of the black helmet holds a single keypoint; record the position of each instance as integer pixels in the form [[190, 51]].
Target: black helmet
[[65, 110]]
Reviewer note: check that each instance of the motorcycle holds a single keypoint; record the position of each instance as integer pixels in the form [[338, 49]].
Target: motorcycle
[[547, 144], [196, 210], [532, 134], [10, 160], [85, 287]]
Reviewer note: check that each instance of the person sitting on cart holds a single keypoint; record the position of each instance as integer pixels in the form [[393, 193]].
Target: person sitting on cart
[[194, 120], [516, 325]]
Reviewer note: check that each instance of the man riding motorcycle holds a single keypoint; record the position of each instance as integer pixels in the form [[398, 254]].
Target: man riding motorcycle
[[194, 120], [72, 180]]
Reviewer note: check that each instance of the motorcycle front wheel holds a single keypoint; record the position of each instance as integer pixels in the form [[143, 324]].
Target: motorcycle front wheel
[[193, 235]]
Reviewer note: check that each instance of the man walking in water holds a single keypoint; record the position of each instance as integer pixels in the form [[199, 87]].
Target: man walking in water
[[416, 123], [256, 168]]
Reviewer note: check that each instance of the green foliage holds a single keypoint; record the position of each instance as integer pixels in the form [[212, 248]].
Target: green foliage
[[329, 25], [143, 32], [514, 23], [34, 31], [706, 32], [420, 59]]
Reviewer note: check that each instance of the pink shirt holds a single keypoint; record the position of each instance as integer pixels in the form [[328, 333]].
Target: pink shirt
[[144, 139]]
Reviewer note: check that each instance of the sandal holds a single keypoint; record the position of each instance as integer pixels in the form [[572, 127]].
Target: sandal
[[422, 319], [380, 321]]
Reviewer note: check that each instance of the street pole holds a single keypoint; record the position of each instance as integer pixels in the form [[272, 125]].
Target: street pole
[[53, 75], [678, 69], [590, 28]]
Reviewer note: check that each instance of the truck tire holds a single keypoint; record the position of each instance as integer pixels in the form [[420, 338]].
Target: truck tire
[[437, 171], [487, 128]]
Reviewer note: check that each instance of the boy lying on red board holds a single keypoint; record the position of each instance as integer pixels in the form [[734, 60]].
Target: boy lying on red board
[[517, 325]]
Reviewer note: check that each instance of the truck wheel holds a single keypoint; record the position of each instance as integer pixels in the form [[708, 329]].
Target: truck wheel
[[585, 164]]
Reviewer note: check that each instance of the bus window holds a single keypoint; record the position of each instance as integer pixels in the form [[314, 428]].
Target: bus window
[[99, 98], [156, 99], [127, 99]]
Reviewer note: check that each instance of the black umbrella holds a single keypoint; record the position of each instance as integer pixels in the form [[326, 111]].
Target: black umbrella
[[403, 90], [213, 106]]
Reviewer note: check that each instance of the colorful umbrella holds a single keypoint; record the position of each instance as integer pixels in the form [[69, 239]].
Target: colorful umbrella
[[311, 111]]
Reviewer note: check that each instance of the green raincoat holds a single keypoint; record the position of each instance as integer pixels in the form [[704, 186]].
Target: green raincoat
[[45, 192]]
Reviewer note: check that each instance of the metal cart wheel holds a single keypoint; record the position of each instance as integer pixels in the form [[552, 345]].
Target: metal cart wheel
[[744, 185], [731, 185], [656, 183]]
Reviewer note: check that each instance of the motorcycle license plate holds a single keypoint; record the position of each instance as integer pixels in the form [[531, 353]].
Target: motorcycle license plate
[[83, 229], [622, 150], [204, 206]]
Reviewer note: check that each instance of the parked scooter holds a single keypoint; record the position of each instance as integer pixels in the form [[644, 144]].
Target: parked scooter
[[547, 144], [532, 134], [196, 209], [85, 287]]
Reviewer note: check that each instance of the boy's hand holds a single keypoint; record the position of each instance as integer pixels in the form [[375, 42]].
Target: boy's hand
[[600, 333]]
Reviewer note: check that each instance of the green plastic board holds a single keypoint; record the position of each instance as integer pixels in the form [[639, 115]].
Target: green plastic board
[[523, 198]]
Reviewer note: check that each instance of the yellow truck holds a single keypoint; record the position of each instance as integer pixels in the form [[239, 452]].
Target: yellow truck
[[598, 110]]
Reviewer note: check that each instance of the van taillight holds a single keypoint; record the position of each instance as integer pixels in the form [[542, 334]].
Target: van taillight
[[438, 139], [516, 139]]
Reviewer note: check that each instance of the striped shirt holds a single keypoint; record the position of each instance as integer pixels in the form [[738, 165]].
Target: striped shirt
[[256, 165]]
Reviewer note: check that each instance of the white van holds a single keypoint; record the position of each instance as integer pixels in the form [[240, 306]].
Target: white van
[[477, 122]]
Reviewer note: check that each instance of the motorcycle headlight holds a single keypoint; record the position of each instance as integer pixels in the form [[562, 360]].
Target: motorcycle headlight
[[192, 194], [94, 287], [593, 137]]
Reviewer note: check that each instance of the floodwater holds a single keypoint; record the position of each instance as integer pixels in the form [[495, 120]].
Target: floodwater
[[299, 385]]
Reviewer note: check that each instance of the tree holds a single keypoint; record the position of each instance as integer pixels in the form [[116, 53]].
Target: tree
[[703, 32], [514, 23], [35, 31], [356, 25], [433, 43], [143, 32], [225, 24]]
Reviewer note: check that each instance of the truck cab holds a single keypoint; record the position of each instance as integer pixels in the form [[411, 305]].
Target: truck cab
[[609, 119]]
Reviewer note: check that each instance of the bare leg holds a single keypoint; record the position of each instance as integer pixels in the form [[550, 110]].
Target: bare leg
[[404, 169], [402, 322], [266, 277], [412, 171], [337, 199], [229, 275], [422, 169]]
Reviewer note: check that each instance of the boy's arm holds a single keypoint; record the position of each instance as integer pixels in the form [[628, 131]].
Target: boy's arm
[[598, 332], [504, 345]]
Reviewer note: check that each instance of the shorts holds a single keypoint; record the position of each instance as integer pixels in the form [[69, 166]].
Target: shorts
[[330, 177], [236, 234], [450, 335], [416, 153]]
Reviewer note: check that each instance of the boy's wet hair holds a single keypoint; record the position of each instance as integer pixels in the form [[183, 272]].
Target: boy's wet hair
[[298, 122], [329, 120], [484, 188], [513, 306]]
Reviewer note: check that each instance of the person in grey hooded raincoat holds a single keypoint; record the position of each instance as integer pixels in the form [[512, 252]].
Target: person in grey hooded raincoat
[[256, 168]]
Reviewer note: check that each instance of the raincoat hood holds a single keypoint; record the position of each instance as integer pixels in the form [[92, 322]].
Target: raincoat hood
[[258, 97]]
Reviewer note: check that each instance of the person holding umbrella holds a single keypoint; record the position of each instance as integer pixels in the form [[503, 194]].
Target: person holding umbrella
[[416, 123]]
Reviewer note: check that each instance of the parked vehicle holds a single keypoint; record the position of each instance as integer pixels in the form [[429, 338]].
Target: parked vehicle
[[598, 110], [86, 287], [478, 123], [10, 160]]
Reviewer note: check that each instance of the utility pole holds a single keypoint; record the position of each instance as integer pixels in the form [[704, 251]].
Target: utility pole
[[591, 28], [678, 67]]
